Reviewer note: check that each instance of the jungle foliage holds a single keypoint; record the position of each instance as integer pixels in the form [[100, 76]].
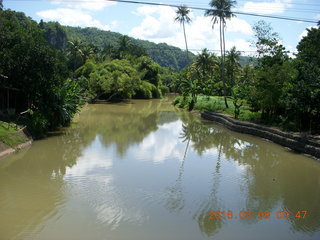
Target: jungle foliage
[[48, 76], [276, 88]]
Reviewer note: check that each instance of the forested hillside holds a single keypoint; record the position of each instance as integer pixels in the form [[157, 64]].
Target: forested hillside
[[165, 55], [46, 74]]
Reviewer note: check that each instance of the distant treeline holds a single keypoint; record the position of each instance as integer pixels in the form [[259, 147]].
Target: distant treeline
[[48, 71]]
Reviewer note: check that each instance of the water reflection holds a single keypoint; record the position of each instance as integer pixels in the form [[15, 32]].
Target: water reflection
[[32, 189], [175, 200], [144, 170], [123, 124], [273, 183]]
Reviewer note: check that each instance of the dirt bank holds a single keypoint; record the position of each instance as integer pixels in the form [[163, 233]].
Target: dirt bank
[[304, 144], [22, 133]]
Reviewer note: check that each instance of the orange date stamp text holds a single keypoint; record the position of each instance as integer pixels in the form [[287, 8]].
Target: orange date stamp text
[[256, 214]]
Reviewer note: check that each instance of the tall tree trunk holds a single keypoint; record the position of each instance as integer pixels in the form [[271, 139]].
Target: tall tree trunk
[[185, 39], [223, 61]]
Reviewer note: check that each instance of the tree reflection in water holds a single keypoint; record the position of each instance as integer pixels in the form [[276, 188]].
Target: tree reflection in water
[[31, 189], [176, 200], [271, 184], [34, 185]]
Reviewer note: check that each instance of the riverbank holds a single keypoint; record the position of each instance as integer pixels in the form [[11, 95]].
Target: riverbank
[[13, 139], [300, 143]]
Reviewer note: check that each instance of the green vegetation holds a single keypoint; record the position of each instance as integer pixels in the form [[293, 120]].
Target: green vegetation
[[47, 71], [46, 76], [182, 18], [216, 104], [275, 90], [37, 72], [165, 55], [221, 10], [9, 135]]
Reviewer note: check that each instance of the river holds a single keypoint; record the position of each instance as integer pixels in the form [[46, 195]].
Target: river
[[142, 169]]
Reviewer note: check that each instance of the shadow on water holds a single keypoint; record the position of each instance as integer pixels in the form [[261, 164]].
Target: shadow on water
[[123, 124], [33, 190], [31, 182], [272, 180]]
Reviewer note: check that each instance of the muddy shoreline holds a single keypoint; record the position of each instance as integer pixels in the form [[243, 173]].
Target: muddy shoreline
[[6, 150], [303, 144]]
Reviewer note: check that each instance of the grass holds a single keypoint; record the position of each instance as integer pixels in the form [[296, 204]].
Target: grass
[[10, 136], [216, 104]]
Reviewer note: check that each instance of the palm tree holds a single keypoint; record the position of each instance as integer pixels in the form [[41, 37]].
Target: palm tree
[[182, 18], [190, 86], [205, 65], [233, 57], [205, 62], [125, 45], [75, 53], [220, 12]]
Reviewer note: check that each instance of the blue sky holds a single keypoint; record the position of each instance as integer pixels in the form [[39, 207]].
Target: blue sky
[[155, 23]]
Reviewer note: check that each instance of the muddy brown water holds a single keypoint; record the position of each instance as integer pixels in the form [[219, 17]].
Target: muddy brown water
[[144, 170]]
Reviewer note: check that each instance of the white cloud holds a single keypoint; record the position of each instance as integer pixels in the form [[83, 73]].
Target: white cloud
[[95, 5], [71, 17], [114, 24], [317, 17], [158, 26], [160, 149], [240, 44], [145, 11], [277, 6], [305, 32], [238, 25]]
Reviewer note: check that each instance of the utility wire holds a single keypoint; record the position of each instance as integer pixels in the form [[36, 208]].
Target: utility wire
[[197, 5], [191, 2], [204, 9]]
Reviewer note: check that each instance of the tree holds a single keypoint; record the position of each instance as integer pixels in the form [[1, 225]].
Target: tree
[[188, 87], [54, 33], [1, 5], [265, 38], [182, 18], [38, 71], [205, 64], [149, 70], [76, 56], [114, 79], [233, 64], [304, 96], [220, 12], [124, 44], [274, 74]]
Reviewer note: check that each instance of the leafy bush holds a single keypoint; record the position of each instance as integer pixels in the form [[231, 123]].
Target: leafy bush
[[144, 91], [164, 90]]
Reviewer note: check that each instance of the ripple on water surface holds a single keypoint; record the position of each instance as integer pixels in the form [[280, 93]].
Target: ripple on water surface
[[143, 170]]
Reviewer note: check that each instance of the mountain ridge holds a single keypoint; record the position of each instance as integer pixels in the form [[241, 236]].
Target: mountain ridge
[[162, 53]]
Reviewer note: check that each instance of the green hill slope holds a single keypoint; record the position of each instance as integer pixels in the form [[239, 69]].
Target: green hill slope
[[165, 55]]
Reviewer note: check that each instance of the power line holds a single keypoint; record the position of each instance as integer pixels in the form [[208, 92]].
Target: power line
[[196, 5], [204, 9]]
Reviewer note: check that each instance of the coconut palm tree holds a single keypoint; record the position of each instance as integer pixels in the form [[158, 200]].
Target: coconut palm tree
[[232, 62], [182, 17], [205, 62], [220, 12], [205, 65], [75, 53]]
